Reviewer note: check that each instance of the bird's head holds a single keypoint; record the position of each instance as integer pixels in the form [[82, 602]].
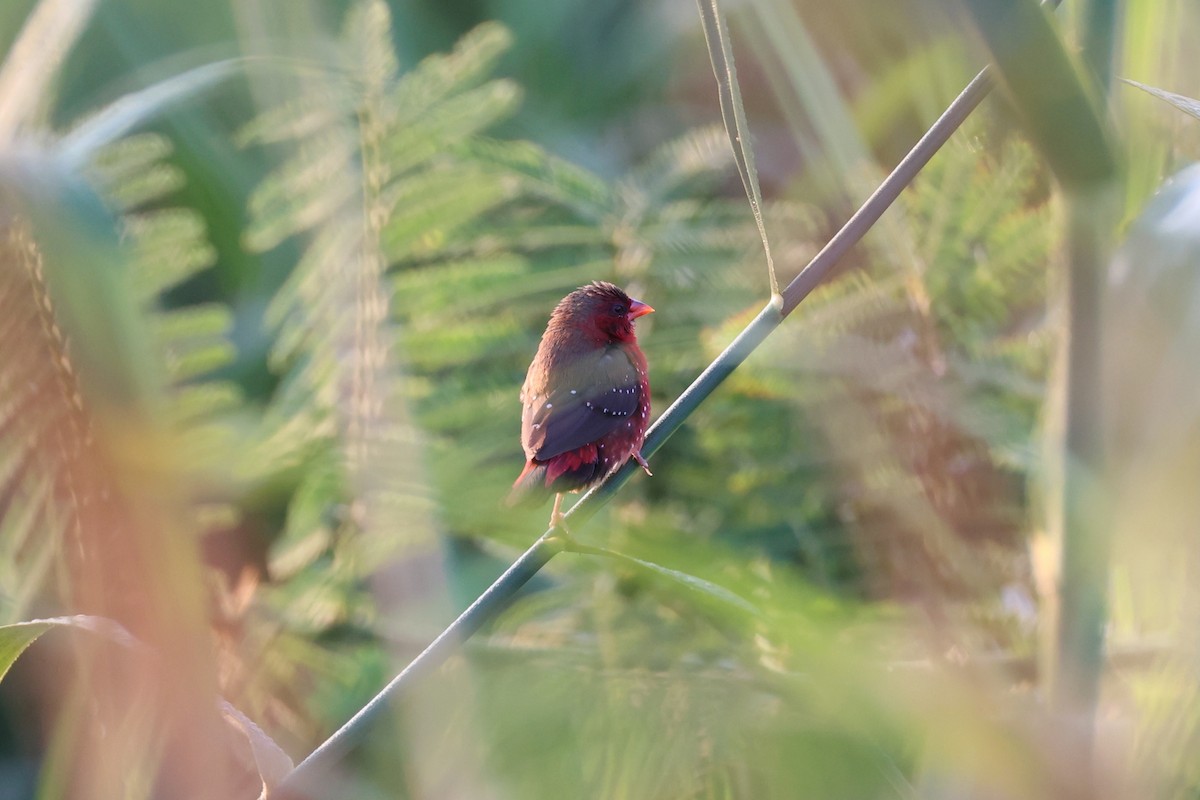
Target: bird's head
[[601, 312]]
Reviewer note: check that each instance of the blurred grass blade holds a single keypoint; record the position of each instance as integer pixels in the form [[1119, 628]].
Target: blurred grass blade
[[809, 99], [35, 59], [1053, 100], [720, 50], [269, 758], [1185, 104], [692, 583], [126, 113], [16, 638]]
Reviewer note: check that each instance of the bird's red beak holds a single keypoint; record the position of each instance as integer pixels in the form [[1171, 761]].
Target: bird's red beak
[[639, 309]]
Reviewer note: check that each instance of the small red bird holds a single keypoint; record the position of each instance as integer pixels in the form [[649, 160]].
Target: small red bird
[[586, 396]]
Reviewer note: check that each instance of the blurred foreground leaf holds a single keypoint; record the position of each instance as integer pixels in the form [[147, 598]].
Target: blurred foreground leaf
[[17, 637], [1053, 99], [270, 760], [705, 589]]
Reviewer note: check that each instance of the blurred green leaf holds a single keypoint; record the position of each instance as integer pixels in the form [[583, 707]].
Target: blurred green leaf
[[17, 637], [691, 583], [1054, 100], [545, 175], [269, 758]]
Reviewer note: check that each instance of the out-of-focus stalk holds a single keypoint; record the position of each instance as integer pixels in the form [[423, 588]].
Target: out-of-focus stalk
[[1086, 529], [1060, 103], [1084, 545]]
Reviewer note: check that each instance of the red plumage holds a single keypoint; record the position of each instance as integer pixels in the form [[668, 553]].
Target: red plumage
[[586, 396]]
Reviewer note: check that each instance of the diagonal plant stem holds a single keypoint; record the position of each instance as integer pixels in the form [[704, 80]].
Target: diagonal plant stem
[[306, 779], [801, 286], [308, 776]]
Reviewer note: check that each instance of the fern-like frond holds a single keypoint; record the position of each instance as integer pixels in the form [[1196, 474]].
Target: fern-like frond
[[419, 138], [370, 177], [167, 246], [544, 175], [318, 108], [314, 184], [136, 172], [693, 163], [443, 75], [430, 208]]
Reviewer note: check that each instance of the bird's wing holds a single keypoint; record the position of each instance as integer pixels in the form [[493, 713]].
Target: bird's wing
[[592, 398]]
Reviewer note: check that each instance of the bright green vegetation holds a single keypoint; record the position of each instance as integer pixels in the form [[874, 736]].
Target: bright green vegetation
[[263, 320]]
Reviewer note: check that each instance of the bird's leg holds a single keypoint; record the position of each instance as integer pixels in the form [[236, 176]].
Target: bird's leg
[[556, 517], [560, 537], [641, 460]]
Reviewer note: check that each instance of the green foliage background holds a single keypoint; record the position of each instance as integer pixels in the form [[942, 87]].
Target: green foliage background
[[328, 274]]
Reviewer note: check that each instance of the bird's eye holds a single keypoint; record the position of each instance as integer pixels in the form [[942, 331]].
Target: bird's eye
[[618, 309]]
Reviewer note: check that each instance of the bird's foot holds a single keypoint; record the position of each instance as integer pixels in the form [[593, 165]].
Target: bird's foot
[[641, 460], [558, 526]]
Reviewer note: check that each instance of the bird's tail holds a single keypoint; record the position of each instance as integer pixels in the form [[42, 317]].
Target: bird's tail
[[529, 489]]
